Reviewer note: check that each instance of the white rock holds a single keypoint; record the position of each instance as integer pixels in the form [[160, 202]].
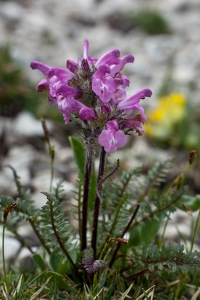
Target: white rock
[[11, 10], [20, 158], [42, 183], [26, 124]]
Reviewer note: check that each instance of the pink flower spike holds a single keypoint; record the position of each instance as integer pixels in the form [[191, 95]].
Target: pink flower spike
[[40, 66], [111, 57], [124, 60], [112, 138], [86, 113]]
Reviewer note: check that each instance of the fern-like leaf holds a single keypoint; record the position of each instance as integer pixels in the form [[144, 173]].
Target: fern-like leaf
[[169, 257], [56, 228]]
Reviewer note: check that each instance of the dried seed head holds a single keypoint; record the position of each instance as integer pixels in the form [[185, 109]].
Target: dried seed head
[[46, 132], [192, 156], [8, 209]]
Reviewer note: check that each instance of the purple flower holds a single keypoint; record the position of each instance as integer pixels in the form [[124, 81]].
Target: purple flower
[[106, 79], [109, 58], [112, 138], [124, 60], [40, 66], [103, 85], [62, 74], [86, 113], [105, 109], [94, 90], [132, 103], [119, 94], [135, 123], [91, 60], [67, 106]]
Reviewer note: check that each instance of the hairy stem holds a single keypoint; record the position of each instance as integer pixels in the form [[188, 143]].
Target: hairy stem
[[97, 199], [88, 171]]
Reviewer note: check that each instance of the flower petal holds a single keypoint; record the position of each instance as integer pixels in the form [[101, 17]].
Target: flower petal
[[86, 113], [129, 102], [111, 57], [40, 66], [120, 139], [124, 60]]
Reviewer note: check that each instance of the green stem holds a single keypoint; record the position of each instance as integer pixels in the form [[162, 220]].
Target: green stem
[[51, 152], [163, 234], [195, 230], [3, 256]]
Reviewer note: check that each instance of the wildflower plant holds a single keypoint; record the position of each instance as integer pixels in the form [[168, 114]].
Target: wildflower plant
[[118, 219]]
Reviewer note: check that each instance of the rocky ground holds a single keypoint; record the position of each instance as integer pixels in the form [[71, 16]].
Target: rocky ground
[[53, 31]]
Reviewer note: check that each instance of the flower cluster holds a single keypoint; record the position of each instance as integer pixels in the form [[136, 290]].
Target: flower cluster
[[93, 90]]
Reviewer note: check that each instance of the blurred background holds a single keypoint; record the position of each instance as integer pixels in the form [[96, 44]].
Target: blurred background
[[164, 37]]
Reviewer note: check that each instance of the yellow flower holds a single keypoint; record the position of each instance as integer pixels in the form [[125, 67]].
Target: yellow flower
[[161, 120]]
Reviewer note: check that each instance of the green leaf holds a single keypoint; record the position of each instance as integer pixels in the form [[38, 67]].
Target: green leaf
[[63, 266], [192, 201], [38, 260], [79, 154], [55, 259], [149, 230], [60, 280], [135, 238]]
